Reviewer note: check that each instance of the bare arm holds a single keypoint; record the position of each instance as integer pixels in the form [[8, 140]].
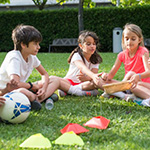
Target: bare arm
[[83, 77], [16, 78], [84, 69], [10, 86], [36, 87], [136, 77], [113, 71], [145, 59], [44, 80]]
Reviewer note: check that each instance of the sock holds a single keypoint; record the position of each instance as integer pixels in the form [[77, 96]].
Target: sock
[[146, 102], [119, 94], [77, 90], [137, 102], [78, 86], [73, 90]]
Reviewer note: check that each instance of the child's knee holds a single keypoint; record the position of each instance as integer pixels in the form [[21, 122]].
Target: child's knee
[[22, 90], [28, 93], [129, 75], [53, 77]]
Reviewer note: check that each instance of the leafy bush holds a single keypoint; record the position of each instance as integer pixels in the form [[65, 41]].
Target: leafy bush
[[63, 23]]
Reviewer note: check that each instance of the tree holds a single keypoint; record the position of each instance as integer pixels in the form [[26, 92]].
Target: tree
[[82, 4], [124, 3], [40, 3], [4, 1], [80, 15]]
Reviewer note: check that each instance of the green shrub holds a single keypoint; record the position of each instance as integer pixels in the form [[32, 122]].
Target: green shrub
[[63, 23]]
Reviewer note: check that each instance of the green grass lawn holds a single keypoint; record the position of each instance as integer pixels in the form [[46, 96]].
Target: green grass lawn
[[129, 126]]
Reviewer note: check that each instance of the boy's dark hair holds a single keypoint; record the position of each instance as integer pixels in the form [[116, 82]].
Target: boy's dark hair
[[25, 34], [95, 58]]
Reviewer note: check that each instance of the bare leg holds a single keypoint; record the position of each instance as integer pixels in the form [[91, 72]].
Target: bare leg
[[54, 84], [88, 85], [142, 90], [26, 92], [128, 75]]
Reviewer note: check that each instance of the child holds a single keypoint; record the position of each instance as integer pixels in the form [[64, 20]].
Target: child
[[83, 70], [135, 59], [19, 63]]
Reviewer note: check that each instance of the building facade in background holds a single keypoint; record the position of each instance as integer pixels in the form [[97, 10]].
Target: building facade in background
[[51, 4]]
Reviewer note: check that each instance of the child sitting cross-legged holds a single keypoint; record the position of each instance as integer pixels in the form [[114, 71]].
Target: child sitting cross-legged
[[135, 58], [19, 63]]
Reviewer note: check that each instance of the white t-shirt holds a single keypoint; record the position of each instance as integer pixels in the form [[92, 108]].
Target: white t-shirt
[[15, 64], [74, 70]]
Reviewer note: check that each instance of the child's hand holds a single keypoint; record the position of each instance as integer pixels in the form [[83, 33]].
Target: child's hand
[[82, 77], [35, 87], [104, 76], [96, 79], [2, 100], [41, 93], [134, 80], [12, 85]]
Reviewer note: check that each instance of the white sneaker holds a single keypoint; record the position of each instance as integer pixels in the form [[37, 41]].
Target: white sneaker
[[130, 97], [146, 102], [105, 95]]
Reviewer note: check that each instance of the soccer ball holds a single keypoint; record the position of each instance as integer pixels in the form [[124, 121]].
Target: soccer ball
[[16, 109]]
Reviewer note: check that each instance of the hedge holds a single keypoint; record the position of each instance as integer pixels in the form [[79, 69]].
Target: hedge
[[63, 23]]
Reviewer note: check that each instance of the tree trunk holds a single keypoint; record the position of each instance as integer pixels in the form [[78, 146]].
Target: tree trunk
[[117, 3], [80, 16], [40, 4]]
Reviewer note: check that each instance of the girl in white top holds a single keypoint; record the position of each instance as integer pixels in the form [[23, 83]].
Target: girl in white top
[[74, 72], [82, 77]]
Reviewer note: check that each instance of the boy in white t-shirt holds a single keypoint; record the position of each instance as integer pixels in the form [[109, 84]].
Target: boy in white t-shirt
[[19, 63]]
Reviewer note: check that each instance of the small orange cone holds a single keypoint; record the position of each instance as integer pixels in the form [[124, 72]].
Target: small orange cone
[[76, 128], [97, 122]]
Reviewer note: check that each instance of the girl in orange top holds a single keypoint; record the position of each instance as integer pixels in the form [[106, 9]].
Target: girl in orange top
[[135, 59]]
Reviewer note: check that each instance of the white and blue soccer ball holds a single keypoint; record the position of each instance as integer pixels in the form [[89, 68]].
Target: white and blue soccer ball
[[16, 109]]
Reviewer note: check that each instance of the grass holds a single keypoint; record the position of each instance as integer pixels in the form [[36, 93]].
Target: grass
[[129, 126]]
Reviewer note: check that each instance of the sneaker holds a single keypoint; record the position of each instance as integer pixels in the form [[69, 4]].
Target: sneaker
[[54, 97], [61, 93], [91, 93], [146, 102], [105, 95], [128, 92], [130, 97], [139, 102], [35, 105]]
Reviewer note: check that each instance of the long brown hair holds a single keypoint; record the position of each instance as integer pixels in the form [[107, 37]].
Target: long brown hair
[[95, 58], [135, 29]]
